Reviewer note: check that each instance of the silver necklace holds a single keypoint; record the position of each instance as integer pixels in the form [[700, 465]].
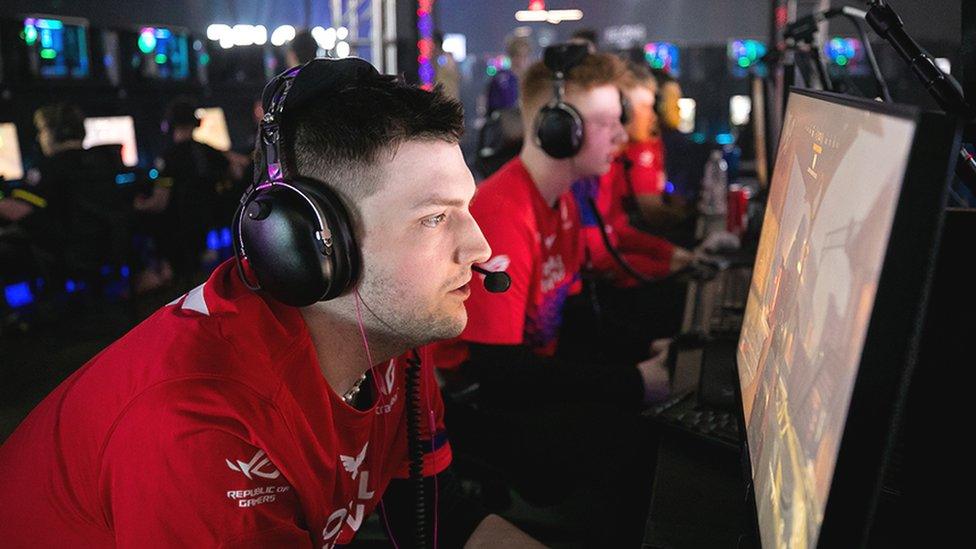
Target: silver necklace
[[351, 393]]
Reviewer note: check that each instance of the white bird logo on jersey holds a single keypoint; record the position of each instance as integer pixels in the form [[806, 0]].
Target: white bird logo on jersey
[[352, 465]]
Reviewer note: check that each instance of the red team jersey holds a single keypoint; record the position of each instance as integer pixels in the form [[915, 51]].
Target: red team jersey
[[209, 424], [538, 245], [650, 255]]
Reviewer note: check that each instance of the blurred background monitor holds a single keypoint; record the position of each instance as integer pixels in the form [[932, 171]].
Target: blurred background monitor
[[687, 108], [113, 130], [160, 53], [213, 128], [740, 109], [664, 56], [11, 163], [57, 47]]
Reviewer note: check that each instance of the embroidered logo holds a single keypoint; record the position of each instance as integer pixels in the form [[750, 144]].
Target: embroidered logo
[[259, 466]]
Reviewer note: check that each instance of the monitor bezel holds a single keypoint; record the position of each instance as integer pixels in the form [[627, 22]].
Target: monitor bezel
[[68, 20], [894, 329]]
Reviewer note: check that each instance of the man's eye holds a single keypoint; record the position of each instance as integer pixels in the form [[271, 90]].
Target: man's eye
[[433, 221]]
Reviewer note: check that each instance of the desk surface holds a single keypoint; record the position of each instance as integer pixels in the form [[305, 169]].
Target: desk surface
[[699, 498]]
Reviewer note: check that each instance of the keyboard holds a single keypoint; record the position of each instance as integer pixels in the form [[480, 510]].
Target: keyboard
[[684, 414]]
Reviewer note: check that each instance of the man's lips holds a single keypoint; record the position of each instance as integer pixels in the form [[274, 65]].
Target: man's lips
[[463, 290]]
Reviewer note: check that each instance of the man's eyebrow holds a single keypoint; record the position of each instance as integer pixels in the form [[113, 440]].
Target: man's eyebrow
[[436, 200]]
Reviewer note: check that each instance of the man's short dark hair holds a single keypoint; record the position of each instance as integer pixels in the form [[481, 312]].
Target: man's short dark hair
[[65, 121], [339, 137], [304, 46], [182, 113], [588, 35]]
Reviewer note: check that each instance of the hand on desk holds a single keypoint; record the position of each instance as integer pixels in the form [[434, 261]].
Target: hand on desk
[[654, 372]]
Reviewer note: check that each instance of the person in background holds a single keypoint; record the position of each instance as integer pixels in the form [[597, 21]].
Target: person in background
[[500, 137], [535, 401], [184, 197], [302, 49], [684, 160], [503, 88], [630, 300], [69, 206], [631, 191], [446, 73], [588, 37]]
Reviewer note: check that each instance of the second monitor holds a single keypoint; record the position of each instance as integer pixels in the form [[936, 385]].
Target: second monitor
[[113, 130]]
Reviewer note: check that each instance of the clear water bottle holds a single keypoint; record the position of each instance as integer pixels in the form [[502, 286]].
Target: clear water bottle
[[713, 201]]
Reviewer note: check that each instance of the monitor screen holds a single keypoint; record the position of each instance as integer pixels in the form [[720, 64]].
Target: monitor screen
[[835, 187], [687, 108], [58, 48], [11, 163], [663, 55], [212, 129], [162, 53], [740, 109], [745, 55], [113, 130]]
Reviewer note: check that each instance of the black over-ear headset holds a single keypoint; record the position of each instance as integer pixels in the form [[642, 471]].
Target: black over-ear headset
[[559, 125], [294, 232]]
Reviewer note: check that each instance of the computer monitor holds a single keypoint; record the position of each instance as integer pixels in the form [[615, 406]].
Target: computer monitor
[[832, 320], [11, 163], [663, 55], [57, 47], [687, 108], [213, 128], [740, 109], [161, 53], [113, 130]]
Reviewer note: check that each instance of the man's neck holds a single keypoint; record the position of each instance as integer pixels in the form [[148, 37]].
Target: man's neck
[[551, 176], [340, 350]]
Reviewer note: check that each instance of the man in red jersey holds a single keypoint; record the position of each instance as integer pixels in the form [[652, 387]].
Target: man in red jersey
[[629, 312], [532, 224], [548, 420], [228, 419], [632, 191]]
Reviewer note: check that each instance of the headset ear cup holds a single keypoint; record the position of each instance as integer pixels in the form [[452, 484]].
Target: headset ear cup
[[278, 229], [344, 252], [559, 130]]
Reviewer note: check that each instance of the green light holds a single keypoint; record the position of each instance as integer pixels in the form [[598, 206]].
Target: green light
[[30, 34], [658, 63], [52, 24], [743, 62], [48, 53], [204, 59], [492, 71], [147, 42], [841, 60], [160, 58]]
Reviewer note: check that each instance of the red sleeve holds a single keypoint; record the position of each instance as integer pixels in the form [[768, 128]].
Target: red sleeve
[[631, 240], [499, 319], [436, 446], [176, 477], [647, 172]]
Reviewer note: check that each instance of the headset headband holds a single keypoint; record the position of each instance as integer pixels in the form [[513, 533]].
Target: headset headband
[[292, 89], [269, 130]]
